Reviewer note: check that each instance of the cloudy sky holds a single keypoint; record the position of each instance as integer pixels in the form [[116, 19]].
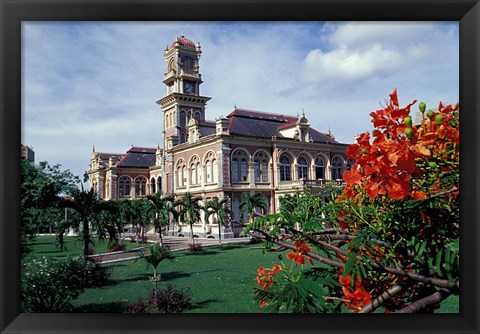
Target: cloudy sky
[[88, 84]]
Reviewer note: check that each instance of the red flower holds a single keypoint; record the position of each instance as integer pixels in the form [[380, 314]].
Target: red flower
[[265, 276], [352, 177], [299, 254], [356, 295]]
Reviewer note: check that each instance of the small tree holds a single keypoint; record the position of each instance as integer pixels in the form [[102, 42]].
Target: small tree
[[190, 208], [250, 203], [219, 209], [88, 206], [143, 216], [163, 209], [157, 253]]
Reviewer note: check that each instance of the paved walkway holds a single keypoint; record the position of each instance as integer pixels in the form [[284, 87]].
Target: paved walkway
[[174, 243]]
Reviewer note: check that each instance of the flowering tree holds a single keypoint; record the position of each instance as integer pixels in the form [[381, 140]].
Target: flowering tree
[[391, 237]]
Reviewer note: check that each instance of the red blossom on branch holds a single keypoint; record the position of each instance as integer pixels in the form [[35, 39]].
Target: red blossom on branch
[[299, 254], [356, 295]]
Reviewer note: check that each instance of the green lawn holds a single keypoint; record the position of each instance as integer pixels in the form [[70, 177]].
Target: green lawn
[[44, 246], [221, 279]]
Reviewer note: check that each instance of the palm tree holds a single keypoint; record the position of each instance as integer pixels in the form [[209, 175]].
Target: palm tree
[[126, 212], [143, 215], [190, 208], [157, 253], [88, 206], [219, 209], [249, 204], [163, 207]]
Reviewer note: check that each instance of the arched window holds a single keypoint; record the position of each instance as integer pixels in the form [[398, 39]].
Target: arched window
[[211, 174], [185, 176], [166, 121], [107, 189], [208, 171], [319, 168], [261, 167], [199, 173], [285, 168], [188, 64], [302, 168], [337, 168], [153, 184], [215, 171], [124, 185], [193, 174], [140, 186], [195, 177], [172, 65], [180, 173], [239, 166], [183, 119]]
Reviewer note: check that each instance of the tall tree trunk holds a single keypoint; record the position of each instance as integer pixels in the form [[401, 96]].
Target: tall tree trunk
[[191, 231], [86, 238], [219, 234], [160, 234]]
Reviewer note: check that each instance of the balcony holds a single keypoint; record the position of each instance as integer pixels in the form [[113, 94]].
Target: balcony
[[309, 184]]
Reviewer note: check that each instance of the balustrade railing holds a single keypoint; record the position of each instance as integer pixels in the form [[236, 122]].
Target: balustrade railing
[[303, 184]]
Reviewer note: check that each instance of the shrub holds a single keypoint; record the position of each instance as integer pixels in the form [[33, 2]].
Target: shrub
[[50, 284], [97, 277], [167, 300], [194, 248]]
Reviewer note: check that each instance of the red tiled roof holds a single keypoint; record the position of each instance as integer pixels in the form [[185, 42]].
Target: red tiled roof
[[182, 40], [142, 149], [266, 125], [137, 160], [261, 115], [207, 123]]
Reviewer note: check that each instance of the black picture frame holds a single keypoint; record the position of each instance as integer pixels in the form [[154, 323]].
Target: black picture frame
[[13, 12]]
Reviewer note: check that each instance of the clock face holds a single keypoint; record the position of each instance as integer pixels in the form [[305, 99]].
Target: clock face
[[188, 87]]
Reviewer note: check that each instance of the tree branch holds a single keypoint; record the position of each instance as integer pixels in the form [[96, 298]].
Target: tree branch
[[396, 271], [386, 295], [421, 304]]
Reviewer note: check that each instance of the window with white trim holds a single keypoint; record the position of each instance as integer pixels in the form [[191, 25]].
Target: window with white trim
[[337, 168], [285, 168], [261, 167], [319, 168], [239, 166], [302, 168]]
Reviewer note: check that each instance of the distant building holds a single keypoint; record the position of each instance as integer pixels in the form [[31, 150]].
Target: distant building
[[27, 153], [246, 151]]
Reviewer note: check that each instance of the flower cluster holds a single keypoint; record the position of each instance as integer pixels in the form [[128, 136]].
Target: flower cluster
[[355, 295], [265, 276], [401, 152], [299, 254]]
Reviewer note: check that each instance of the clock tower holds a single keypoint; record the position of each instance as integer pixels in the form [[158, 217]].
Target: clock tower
[[183, 100]]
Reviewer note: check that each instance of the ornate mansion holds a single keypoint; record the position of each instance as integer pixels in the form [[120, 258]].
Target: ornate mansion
[[246, 151]]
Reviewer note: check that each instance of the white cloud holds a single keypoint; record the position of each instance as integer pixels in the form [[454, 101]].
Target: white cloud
[[88, 84], [358, 51], [344, 65]]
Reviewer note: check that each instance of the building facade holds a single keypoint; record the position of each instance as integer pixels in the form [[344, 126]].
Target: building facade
[[246, 151]]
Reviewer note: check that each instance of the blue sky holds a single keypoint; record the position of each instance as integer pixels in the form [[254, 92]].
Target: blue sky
[[88, 84]]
